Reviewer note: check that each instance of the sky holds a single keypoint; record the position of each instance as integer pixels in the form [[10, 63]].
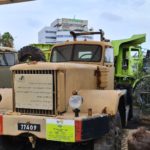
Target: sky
[[119, 19]]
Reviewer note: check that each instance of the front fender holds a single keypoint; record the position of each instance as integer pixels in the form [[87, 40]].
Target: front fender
[[98, 100]]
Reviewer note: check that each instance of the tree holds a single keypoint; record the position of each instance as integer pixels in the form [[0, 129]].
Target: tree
[[7, 40]]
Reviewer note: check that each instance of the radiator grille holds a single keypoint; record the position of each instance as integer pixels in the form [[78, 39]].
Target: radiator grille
[[36, 111]]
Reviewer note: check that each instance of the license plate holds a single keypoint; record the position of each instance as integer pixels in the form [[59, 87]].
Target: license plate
[[29, 127]]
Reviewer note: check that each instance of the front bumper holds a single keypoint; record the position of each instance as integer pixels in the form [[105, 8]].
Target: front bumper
[[54, 128]]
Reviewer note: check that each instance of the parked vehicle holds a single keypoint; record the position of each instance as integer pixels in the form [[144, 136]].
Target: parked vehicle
[[8, 58], [67, 103], [132, 69]]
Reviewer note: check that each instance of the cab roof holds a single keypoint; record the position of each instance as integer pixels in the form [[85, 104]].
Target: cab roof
[[101, 43]]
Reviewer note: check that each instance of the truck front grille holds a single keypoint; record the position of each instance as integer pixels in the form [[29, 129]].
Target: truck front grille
[[34, 111]]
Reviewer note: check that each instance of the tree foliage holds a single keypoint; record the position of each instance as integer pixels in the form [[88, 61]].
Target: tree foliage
[[7, 40]]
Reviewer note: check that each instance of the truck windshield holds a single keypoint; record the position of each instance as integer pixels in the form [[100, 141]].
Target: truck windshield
[[77, 52], [7, 59]]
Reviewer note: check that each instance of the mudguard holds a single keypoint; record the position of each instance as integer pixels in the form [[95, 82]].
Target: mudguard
[[100, 100]]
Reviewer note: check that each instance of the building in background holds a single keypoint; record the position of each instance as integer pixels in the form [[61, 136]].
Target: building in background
[[59, 31]]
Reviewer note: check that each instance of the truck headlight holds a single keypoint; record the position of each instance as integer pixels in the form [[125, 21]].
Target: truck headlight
[[75, 101]]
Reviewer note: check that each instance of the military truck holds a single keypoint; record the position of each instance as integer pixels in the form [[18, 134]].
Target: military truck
[[67, 103]]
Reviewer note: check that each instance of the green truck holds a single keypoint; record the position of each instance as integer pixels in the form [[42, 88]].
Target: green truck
[[128, 57], [132, 68]]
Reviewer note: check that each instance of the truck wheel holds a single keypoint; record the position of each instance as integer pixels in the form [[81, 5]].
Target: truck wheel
[[112, 140], [141, 95], [30, 53]]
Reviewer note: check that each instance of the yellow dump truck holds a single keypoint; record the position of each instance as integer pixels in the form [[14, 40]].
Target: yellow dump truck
[[68, 103]]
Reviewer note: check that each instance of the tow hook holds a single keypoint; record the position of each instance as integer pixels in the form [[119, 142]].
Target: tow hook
[[32, 140]]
